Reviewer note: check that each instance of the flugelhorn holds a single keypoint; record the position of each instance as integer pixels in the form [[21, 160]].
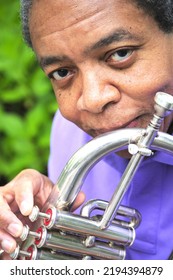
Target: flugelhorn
[[58, 233]]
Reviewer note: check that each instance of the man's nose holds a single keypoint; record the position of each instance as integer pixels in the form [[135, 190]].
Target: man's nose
[[97, 94]]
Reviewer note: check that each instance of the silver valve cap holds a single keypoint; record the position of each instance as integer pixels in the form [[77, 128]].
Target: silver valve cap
[[164, 104]]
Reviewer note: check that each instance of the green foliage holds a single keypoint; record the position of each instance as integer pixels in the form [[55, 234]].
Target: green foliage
[[27, 102]]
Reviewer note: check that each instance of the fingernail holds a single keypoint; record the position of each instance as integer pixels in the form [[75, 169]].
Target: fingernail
[[15, 229], [7, 246], [25, 208]]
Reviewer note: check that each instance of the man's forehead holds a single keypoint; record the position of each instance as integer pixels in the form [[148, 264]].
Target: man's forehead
[[75, 9], [59, 15], [62, 7], [91, 30], [67, 12]]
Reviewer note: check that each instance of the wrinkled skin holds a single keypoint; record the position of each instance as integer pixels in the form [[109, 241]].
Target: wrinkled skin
[[106, 60]]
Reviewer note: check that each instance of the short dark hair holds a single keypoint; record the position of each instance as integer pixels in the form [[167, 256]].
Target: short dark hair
[[160, 10], [25, 8]]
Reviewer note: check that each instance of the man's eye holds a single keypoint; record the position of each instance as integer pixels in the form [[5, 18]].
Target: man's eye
[[121, 55], [59, 74]]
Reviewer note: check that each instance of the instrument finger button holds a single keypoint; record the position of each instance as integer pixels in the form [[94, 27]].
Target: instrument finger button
[[39, 242]]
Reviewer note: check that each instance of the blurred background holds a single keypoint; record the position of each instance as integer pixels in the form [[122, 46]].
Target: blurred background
[[27, 102]]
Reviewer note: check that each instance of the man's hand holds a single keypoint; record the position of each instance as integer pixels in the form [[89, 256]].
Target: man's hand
[[17, 199]]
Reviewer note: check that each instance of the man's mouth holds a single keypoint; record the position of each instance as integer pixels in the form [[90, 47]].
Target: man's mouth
[[130, 124]]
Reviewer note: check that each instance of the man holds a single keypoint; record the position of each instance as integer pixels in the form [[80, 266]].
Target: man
[[106, 60]]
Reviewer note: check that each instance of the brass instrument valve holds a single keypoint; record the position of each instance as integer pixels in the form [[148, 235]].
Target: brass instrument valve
[[26, 232], [30, 254], [35, 214]]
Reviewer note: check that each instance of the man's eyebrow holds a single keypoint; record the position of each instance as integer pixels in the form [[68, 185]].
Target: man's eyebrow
[[116, 36], [50, 60]]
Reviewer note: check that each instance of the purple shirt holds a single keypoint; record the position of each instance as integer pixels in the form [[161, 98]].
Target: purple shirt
[[151, 191]]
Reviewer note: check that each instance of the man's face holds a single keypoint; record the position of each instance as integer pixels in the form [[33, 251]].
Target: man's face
[[106, 60]]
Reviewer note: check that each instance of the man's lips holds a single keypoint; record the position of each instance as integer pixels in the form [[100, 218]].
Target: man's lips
[[131, 124]]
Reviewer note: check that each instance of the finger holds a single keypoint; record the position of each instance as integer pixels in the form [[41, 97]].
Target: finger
[[30, 185], [7, 243], [5, 256], [8, 220], [78, 201], [23, 187], [24, 198]]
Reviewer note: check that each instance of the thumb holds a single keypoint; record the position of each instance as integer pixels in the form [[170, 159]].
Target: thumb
[[78, 201]]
